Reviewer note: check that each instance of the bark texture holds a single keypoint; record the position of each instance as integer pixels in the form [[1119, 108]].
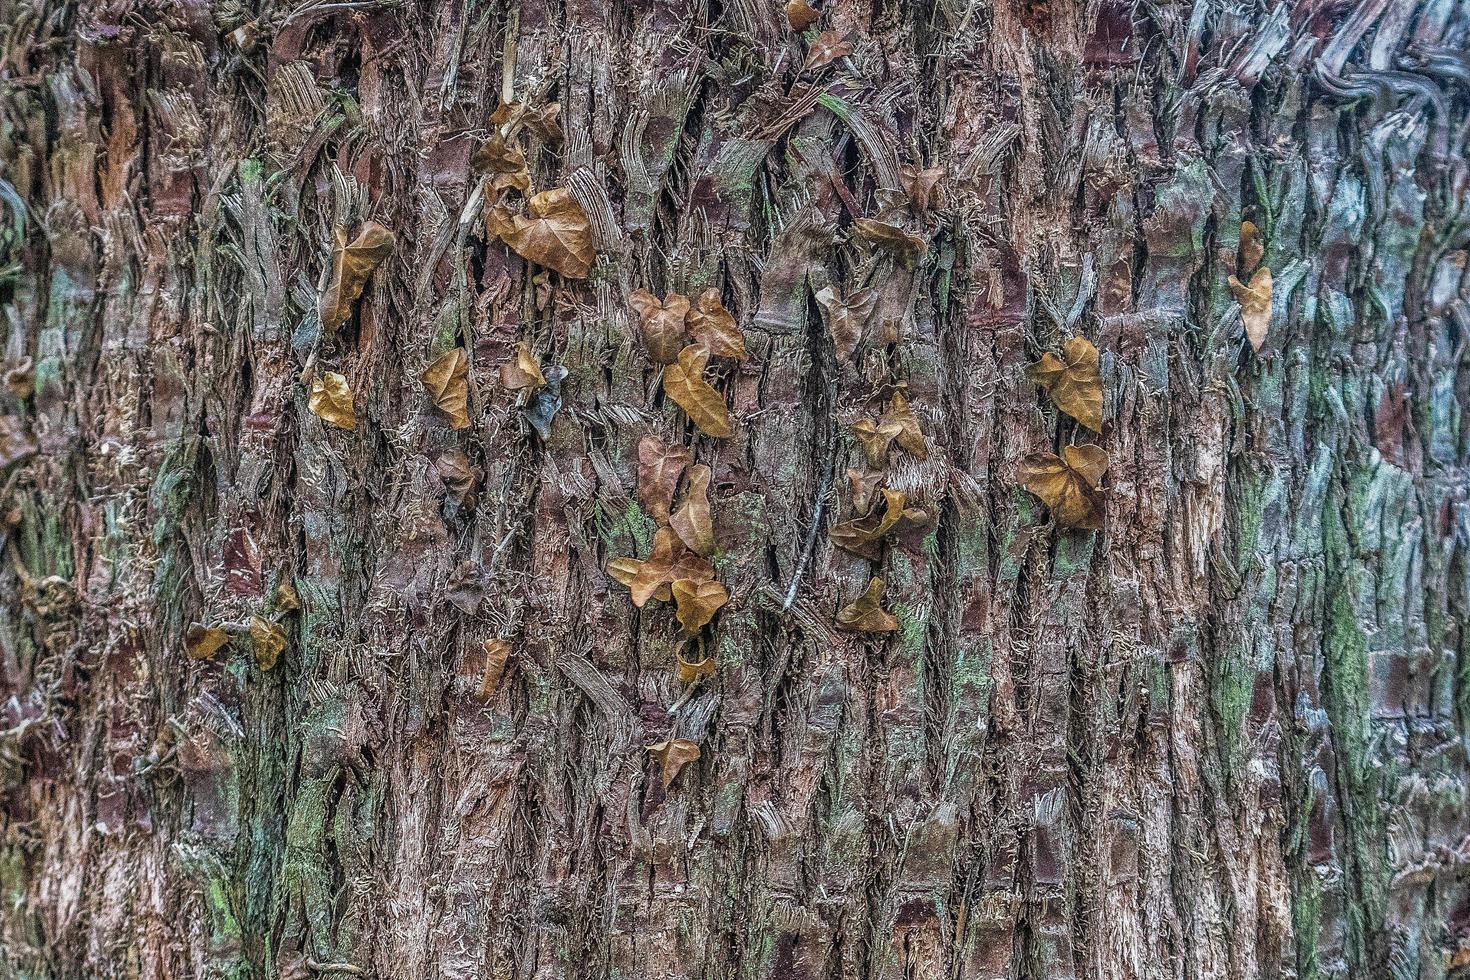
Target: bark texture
[[1223, 737]]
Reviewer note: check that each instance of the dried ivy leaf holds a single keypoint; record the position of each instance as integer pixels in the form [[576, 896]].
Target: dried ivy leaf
[[285, 596], [1067, 484], [331, 401], [203, 642], [1072, 381], [268, 639], [672, 755], [920, 184], [692, 521], [447, 380], [905, 243], [352, 263], [697, 602], [525, 372], [496, 654], [714, 327], [801, 15], [847, 320], [499, 219], [458, 475], [866, 615], [16, 441], [557, 235], [625, 571], [511, 116], [910, 437], [662, 324], [862, 483], [1251, 249], [1255, 305], [875, 438], [656, 571], [685, 384], [689, 672], [497, 155], [862, 535], [20, 378], [659, 468], [825, 48]]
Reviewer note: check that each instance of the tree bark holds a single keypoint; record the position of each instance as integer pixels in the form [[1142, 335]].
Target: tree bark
[[1222, 737]]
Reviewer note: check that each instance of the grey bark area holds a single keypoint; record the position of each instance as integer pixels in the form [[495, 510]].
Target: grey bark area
[[1222, 737]]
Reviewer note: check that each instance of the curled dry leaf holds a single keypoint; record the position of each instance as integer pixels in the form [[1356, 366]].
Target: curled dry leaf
[[662, 324], [496, 654], [625, 572], [556, 235], [847, 320], [906, 244], [546, 403], [826, 48], [458, 475], [920, 184], [875, 438], [331, 400], [910, 437], [668, 561], [510, 117], [1251, 249], [286, 598], [866, 614], [801, 15], [352, 263], [692, 521], [1072, 381], [691, 671], [697, 602], [684, 383], [203, 642], [1067, 484], [862, 483], [268, 639], [497, 155], [714, 327], [20, 378], [524, 371], [1255, 305], [672, 755], [16, 441], [659, 468], [447, 380], [861, 536]]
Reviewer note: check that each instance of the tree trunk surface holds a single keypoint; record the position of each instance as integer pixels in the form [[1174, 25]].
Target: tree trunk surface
[[1223, 736]]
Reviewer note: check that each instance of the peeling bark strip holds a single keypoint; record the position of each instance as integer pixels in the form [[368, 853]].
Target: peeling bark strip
[[317, 655]]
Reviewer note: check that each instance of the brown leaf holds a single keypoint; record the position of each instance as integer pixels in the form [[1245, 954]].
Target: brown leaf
[[861, 536], [625, 571], [352, 263], [684, 383], [659, 468], [285, 597], [510, 117], [692, 521], [20, 378], [910, 437], [497, 155], [672, 755], [920, 184], [847, 320], [1072, 381], [525, 372], [689, 672], [331, 401], [499, 219], [657, 570], [801, 15], [862, 483], [714, 327], [662, 324], [1067, 484], [447, 381], [908, 245], [697, 602], [16, 441], [458, 475], [875, 438], [496, 654], [556, 235], [203, 642], [866, 615], [1255, 305], [268, 639], [825, 48], [1251, 249]]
